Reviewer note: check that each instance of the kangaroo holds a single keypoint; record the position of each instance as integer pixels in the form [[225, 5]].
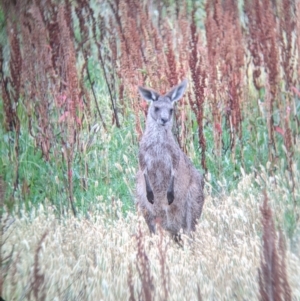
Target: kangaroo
[[168, 187]]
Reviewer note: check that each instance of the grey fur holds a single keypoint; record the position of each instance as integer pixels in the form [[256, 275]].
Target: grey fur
[[169, 189]]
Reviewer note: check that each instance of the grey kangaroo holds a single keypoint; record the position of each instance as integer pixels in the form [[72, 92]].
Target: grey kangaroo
[[169, 189]]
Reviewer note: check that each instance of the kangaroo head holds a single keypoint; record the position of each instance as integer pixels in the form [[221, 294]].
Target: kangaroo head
[[161, 108]]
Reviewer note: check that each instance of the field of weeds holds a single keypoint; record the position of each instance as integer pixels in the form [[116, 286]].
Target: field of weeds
[[70, 124], [109, 256]]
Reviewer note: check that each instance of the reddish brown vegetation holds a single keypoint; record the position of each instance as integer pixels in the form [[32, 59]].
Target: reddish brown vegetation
[[43, 70], [273, 282], [37, 285], [144, 271], [225, 50], [157, 45], [147, 291], [150, 51], [147, 53], [273, 50], [199, 74], [46, 77], [264, 50]]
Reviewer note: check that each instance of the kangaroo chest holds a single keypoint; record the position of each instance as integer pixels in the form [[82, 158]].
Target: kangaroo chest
[[160, 159]]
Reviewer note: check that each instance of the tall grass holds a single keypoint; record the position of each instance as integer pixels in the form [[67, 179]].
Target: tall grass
[[71, 122], [93, 258], [77, 71]]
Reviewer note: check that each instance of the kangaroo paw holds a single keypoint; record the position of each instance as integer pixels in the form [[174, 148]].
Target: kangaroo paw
[[170, 197], [150, 196], [170, 191]]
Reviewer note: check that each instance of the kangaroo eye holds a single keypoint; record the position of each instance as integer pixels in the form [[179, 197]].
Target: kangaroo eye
[[156, 109]]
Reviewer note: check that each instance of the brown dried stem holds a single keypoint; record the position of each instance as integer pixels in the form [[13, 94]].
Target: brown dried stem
[[273, 283]]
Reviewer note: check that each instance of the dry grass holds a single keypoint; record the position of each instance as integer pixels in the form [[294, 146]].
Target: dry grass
[[45, 94], [95, 258]]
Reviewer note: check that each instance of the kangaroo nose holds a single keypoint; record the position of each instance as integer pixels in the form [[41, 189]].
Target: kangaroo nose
[[164, 120]]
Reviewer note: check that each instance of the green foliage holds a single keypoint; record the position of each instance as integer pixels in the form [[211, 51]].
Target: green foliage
[[107, 163], [104, 162], [110, 162]]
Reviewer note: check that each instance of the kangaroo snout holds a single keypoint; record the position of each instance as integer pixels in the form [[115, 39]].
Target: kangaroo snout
[[164, 120]]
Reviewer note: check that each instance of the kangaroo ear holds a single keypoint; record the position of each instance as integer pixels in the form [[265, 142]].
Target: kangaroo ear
[[177, 92], [148, 94]]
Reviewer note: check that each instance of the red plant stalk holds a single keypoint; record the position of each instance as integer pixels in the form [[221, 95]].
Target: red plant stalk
[[263, 40], [273, 282]]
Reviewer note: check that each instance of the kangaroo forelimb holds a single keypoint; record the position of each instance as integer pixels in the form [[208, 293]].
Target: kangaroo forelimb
[[170, 192], [149, 191]]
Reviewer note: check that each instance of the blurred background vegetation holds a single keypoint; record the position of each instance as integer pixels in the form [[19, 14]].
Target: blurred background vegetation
[[71, 118]]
